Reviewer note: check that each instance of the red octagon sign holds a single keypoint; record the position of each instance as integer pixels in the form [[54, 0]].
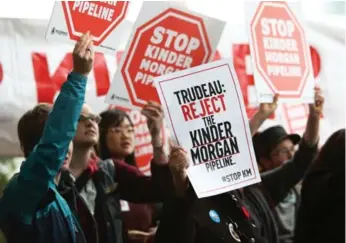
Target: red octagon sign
[[171, 41], [100, 18], [280, 49]]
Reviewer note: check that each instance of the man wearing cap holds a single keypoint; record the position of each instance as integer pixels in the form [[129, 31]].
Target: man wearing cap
[[283, 167]]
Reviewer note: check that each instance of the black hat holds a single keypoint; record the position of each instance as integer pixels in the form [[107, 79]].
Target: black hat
[[270, 137]]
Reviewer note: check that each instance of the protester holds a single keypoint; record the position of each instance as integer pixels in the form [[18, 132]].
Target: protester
[[255, 200], [321, 215], [186, 219], [103, 183], [31, 209], [117, 130], [284, 167]]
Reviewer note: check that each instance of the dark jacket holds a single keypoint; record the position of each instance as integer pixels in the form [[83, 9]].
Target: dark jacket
[[115, 180], [31, 209], [276, 185], [192, 220], [259, 199]]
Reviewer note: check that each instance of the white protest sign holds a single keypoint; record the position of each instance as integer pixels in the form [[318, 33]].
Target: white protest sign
[[104, 19], [166, 38], [205, 110], [279, 51]]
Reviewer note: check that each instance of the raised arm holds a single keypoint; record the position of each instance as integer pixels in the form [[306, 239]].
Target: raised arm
[[265, 111], [38, 171], [278, 182]]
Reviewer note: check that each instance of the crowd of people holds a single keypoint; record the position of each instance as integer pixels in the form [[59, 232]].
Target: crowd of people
[[80, 169]]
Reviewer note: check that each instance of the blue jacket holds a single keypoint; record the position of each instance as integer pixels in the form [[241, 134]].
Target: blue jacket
[[31, 209]]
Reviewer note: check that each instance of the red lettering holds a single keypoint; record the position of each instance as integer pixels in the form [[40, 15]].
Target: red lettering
[[240, 53], [186, 112], [222, 98], [47, 85], [213, 101]]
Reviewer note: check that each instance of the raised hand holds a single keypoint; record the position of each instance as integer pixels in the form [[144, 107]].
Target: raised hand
[[267, 109], [317, 107], [83, 55], [154, 114]]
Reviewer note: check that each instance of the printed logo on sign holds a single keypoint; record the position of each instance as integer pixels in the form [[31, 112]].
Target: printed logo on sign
[[59, 32], [118, 98], [172, 41], [214, 216], [280, 49]]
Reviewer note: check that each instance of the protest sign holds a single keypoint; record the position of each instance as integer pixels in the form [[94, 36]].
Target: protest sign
[[104, 19], [279, 52], [205, 110], [166, 38]]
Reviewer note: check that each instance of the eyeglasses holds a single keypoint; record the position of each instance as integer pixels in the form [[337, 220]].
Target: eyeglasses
[[90, 117], [284, 151]]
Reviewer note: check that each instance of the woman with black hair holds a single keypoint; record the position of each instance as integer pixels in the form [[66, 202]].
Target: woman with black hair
[[321, 215], [117, 141]]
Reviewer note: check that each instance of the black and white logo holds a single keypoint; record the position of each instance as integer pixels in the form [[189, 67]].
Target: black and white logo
[[58, 32]]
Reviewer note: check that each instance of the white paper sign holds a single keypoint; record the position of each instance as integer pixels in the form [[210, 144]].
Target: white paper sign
[[279, 51], [166, 38], [105, 21], [204, 107]]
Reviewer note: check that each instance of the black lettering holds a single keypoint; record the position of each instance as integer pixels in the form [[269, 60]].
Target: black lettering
[[247, 173], [178, 96], [195, 156], [228, 129], [194, 139], [184, 96], [234, 145]]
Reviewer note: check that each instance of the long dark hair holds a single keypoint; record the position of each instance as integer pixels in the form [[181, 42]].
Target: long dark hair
[[113, 117], [331, 157]]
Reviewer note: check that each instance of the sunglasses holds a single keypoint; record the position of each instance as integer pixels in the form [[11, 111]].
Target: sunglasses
[[90, 117]]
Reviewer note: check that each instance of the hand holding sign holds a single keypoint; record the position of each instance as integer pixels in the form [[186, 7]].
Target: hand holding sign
[[178, 163], [317, 107], [83, 55], [154, 114], [267, 109]]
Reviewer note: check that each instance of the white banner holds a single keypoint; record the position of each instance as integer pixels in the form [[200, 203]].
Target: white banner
[[33, 69]]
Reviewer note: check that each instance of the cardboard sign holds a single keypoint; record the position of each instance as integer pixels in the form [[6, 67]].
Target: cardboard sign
[[104, 20], [165, 38], [205, 109], [280, 53]]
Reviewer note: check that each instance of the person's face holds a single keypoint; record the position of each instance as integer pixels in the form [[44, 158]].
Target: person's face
[[68, 158], [120, 140], [282, 152], [87, 133]]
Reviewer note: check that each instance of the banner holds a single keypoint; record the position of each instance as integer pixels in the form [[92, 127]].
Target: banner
[[32, 70], [205, 110]]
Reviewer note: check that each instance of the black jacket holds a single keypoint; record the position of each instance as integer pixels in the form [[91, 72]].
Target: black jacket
[[181, 222], [190, 220], [114, 181]]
